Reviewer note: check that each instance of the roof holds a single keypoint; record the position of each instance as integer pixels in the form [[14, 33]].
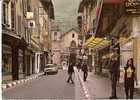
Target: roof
[[48, 5], [81, 6], [84, 3], [72, 29]]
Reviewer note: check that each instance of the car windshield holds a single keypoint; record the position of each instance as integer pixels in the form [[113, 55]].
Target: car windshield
[[49, 66]]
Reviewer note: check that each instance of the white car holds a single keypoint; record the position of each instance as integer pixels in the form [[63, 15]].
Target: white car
[[50, 69]]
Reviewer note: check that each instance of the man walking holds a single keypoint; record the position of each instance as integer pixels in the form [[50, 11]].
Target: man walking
[[70, 72], [85, 71], [114, 70], [79, 65]]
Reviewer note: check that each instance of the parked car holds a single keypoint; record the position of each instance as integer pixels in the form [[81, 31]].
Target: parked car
[[51, 69], [60, 66]]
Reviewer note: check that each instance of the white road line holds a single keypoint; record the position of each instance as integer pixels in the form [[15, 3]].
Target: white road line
[[84, 88]]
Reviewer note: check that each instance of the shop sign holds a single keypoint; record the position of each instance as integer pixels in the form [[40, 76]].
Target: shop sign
[[132, 6], [127, 47], [29, 15], [31, 24]]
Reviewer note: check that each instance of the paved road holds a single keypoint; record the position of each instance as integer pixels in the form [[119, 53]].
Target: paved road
[[45, 87]]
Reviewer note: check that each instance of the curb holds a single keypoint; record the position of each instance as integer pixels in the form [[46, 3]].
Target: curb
[[15, 83], [85, 90]]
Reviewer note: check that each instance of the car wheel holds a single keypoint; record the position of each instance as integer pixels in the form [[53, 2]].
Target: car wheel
[[45, 73]]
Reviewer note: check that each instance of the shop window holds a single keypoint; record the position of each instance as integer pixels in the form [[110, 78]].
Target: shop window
[[20, 60], [6, 67], [6, 63]]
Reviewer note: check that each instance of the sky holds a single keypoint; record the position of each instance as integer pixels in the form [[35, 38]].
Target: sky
[[66, 12]]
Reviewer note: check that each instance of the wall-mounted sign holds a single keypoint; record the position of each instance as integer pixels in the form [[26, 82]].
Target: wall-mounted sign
[[132, 6], [29, 15], [31, 24]]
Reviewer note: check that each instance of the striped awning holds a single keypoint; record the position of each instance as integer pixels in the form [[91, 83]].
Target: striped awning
[[96, 43]]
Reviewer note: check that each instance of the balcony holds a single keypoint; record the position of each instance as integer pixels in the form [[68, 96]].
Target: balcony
[[106, 17]]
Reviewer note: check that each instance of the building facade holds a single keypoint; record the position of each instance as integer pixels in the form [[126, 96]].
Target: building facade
[[14, 40], [56, 42], [23, 37], [86, 23], [69, 45], [118, 26]]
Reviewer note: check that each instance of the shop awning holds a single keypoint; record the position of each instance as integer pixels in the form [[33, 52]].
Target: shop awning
[[35, 46], [96, 43], [112, 1], [104, 13]]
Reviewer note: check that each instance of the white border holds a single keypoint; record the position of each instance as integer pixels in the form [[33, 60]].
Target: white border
[[0, 49]]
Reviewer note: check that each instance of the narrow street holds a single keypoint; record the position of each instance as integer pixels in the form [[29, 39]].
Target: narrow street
[[45, 87], [95, 44]]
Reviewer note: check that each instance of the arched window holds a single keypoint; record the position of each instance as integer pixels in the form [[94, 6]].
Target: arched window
[[73, 44], [73, 35]]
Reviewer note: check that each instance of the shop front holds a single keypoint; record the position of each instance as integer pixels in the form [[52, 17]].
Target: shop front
[[101, 48], [21, 68], [6, 63], [102, 60], [13, 59], [126, 52]]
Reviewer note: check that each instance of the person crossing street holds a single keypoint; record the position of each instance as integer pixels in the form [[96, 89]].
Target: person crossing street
[[70, 73], [79, 65]]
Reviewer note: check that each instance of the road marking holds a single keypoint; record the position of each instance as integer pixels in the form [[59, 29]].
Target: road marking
[[84, 87]]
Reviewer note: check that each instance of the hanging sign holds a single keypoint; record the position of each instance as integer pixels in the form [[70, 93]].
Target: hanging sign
[[132, 7], [29, 15]]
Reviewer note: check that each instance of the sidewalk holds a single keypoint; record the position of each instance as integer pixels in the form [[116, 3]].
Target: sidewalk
[[99, 87], [21, 81]]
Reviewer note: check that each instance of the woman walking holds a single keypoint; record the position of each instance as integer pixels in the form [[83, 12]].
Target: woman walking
[[129, 78]]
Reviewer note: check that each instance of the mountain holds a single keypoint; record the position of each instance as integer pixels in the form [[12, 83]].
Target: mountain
[[66, 12]]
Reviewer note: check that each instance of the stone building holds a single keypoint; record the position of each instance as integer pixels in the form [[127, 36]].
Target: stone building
[[23, 37], [14, 39], [120, 28], [69, 45]]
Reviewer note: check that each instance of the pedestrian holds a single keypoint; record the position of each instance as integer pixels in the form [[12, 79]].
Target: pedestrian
[[129, 78], [70, 73], [79, 66], [85, 71], [114, 71]]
